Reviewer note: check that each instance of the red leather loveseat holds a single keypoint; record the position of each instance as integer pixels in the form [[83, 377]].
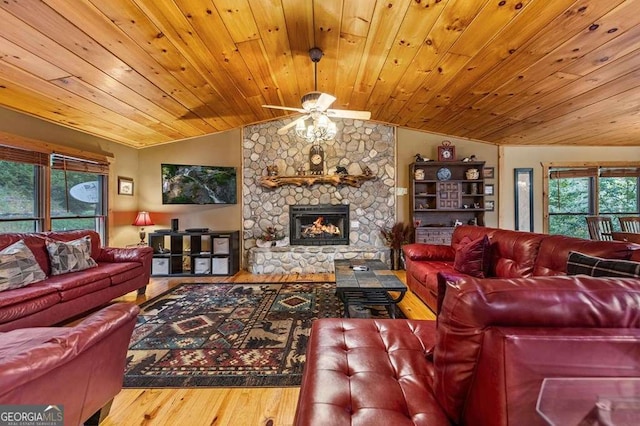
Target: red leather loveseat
[[484, 361], [57, 298], [511, 254], [79, 369]]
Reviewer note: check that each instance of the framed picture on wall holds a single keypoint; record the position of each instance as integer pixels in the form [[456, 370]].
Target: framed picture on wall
[[489, 205], [125, 185], [489, 173], [489, 189]]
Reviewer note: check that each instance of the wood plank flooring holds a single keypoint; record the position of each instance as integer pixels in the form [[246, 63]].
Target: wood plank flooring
[[222, 406]]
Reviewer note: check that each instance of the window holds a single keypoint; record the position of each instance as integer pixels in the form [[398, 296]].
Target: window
[[576, 192], [76, 192], [21, 179]]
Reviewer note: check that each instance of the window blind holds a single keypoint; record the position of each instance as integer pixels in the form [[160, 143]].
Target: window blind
[[573, 173], [74, 164], [9, 153]]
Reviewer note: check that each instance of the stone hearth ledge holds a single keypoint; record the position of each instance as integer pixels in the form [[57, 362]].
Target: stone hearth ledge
[[307, 259]]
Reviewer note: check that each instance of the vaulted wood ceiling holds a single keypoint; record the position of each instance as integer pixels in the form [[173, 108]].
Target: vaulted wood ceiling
[[144, 72]]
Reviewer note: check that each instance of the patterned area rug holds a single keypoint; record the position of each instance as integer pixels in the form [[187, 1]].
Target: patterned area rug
[[228, 335]]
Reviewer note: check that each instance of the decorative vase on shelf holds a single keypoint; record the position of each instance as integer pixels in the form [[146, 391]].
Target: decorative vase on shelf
[[472, 174]]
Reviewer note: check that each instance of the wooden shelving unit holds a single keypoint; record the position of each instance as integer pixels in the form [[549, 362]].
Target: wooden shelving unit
[[195, 253], [443, 195]]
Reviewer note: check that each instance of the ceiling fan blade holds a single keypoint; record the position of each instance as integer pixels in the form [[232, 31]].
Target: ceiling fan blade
[[348, 113], [324, 101], [285, 108], [284, 129]]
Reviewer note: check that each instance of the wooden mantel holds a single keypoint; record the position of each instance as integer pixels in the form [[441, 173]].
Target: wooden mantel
[[308, 180]]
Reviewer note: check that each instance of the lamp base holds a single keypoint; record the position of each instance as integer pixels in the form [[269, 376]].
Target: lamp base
[[142, 236]]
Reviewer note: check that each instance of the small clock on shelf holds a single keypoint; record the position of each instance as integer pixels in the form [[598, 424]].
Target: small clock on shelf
[[316, 160], [446, 152]]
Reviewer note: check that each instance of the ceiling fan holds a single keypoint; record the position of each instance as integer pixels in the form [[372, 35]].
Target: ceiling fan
[[315, 105]]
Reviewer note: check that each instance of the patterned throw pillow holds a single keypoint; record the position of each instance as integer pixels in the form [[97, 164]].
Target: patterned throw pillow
[[70, 256], [18, 267], [579, 263]]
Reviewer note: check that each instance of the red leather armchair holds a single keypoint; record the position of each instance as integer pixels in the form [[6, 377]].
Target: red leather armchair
[[79, 367], [484, 362]]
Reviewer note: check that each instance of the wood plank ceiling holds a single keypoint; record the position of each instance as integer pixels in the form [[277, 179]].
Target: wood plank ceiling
[[145, 72]]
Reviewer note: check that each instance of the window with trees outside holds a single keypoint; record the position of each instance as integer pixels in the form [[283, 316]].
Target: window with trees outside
[[576, 192], [51, 191]]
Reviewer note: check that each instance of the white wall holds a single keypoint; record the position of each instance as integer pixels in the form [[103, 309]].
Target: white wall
[[533, 157], [220, 149], [412, 142]]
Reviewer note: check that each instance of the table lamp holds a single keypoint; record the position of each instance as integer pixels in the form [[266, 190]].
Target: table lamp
[[143, 219]]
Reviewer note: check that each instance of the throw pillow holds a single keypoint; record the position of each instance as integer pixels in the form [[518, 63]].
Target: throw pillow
[[70, 256], [18, 267], [579, 263], [473, 257]]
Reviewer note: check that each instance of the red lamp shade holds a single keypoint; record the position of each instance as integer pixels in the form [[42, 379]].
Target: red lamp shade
[[143, 219]]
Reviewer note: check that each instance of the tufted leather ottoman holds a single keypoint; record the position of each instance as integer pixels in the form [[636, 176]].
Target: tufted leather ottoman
[[369, 372]]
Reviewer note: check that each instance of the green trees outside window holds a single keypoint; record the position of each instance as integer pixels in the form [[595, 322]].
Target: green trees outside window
[[76, 198], [578, 192]]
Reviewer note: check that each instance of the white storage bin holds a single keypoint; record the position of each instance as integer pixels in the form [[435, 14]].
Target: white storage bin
[[201, 265], [220, 265], [160, 266], [221, 246]]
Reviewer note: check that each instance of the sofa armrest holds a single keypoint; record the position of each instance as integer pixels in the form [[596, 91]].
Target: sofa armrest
[[30, 353], [132, 254], [420, 251]]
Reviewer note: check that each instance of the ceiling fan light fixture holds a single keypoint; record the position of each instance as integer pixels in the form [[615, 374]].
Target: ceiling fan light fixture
[[322, 129], [316, 105]]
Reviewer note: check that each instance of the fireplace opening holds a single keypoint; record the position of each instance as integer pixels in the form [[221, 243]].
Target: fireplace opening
[[324, 224]]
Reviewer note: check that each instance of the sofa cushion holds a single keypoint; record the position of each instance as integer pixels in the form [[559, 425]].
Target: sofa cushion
[[514, 253], [364, 371], [579, 263], [120, 272], [70, 256], [18, 267], [25, 301], [473, 257]]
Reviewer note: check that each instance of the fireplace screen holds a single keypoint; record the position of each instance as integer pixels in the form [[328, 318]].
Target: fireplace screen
[[324, 224]]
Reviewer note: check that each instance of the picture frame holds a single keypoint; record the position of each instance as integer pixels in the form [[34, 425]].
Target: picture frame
[[489, 189], [489, 173], [523, 199], [125, 186], [489, 205]]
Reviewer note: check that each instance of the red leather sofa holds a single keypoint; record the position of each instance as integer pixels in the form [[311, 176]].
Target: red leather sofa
[[79, 368], [482, 363], [513, 254], [61, 297]]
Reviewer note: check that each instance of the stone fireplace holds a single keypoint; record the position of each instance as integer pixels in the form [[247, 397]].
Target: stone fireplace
[[358, 146], [320, 225]]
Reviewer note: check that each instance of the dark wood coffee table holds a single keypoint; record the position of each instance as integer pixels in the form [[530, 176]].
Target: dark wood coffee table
[[367, 288]]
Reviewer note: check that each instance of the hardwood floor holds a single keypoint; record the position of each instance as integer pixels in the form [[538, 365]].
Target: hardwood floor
[[222, 406]]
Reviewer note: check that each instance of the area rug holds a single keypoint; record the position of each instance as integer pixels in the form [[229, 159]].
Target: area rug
[[227, 335]]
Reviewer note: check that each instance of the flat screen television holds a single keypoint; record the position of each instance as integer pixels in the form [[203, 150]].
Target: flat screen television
[[184, 184]]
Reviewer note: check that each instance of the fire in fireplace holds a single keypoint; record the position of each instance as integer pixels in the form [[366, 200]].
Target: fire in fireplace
[[324, 224]]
